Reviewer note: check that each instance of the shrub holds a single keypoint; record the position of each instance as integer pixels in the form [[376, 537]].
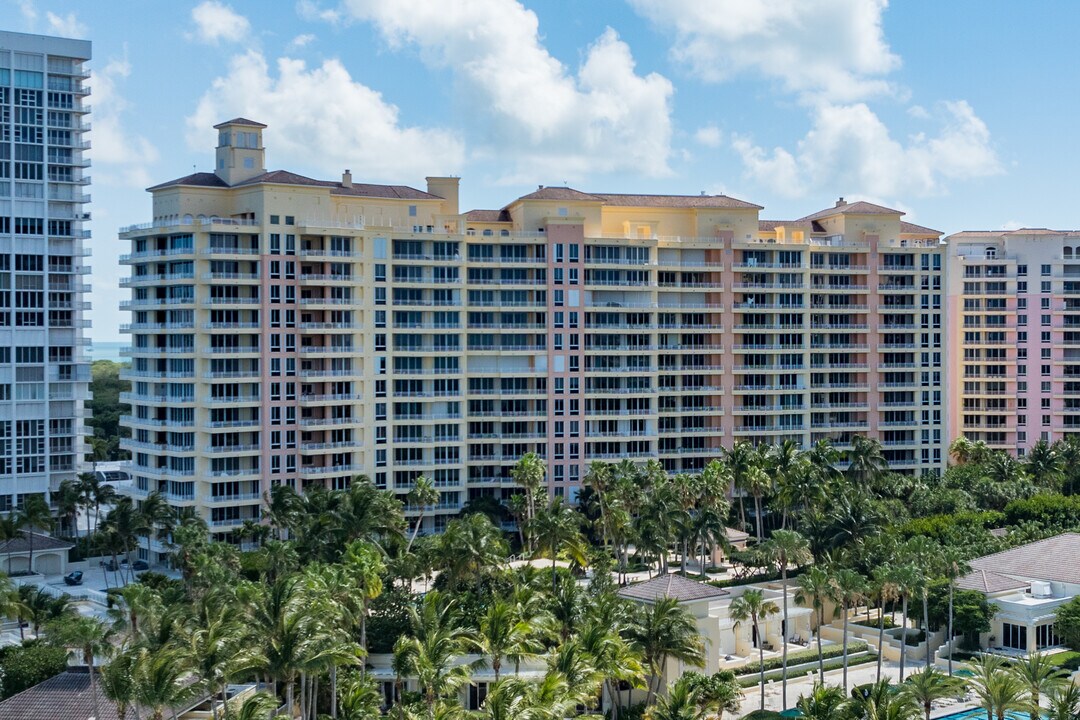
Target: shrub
[[1068, 623], [941, 527], [23, 666], [747, 681], [803, 656], [1048, 511]]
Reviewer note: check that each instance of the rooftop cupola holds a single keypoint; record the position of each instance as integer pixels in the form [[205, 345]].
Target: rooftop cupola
[[240, 154]]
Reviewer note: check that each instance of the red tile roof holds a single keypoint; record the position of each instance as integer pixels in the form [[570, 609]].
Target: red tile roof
[[640, 200], [200, 179], [913, 229], [487, 216], [284, 177], [240, 121], [858, 207]]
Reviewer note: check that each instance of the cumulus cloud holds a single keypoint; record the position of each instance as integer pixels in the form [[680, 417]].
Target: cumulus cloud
[[123, 156], [848, 146], [709, 136], [301, 41], [216, 22], [825, 49], [321, 118], [65, 25], [542, 117]]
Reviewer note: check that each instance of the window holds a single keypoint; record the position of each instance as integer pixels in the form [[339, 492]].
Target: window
[[290, 220], [1045, 270], [1045, 286], [275, 219], [412, 211], [1021, 286], [1014, 636], [1021, 270]]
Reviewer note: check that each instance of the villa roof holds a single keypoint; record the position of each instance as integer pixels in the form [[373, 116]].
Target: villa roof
[[1055, 559], [66, 695], [988, 582], [913, 229], [639, 200], [859, 207], [487, 216], [284, 177], [21, 544], [672, 586], [734, 535]]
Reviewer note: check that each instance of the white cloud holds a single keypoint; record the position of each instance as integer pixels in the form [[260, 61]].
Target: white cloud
[[311, 10], [322, 119], [65, 25], [123, 155], [848, 146], [709, 136], [29, 13], [543, 118], [301, 41], [918, 112], [1011, 225], [823, 49], [217, 22]]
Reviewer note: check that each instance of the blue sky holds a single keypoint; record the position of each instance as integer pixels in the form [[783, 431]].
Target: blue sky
[[960, 112]]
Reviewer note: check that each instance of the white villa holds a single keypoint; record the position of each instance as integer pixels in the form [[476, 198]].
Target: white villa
[[1027, 584]]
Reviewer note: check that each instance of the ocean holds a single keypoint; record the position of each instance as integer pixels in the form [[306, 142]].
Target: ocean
[[108, 351]]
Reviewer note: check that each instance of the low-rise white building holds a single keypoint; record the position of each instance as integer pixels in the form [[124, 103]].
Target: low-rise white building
[[1027, 584]]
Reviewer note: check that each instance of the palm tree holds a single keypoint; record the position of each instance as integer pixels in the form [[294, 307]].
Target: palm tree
[[35, 514], [90, 638], [883, 702], [137, 602], [999, 692], [118, 682], [757, 482], [283, 507], [739, 460], [160, 681], [68, 497], [216, 649], [929, 685], [814, 588], [504, 633], [1065, 702], [866, 463], [785, 548], [664, 630], [680, 703], [422, 495], [552, 529], [154, 513], [599, 479], [886, 590], [825, 702], [717, 693], [365, 565], [851, 588], [470, 548], [529, 474], [924, 554], [260, 706], [1040, 675], [753, 606], [952, 561], [906, 580], [1044, 466], [428, 653]]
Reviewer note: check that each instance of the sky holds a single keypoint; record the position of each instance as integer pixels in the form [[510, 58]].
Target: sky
[[960, 113]]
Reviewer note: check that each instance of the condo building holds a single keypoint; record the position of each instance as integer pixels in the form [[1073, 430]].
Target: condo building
[[1014, 331], [300, 331], [44, 370]]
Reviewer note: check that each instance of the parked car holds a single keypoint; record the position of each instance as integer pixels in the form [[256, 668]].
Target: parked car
[[140, 565], [110, 565], [73, 578]]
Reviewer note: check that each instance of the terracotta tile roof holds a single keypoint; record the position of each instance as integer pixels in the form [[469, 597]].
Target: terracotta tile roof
[[672, 586], [394, 192], [677, 201], [977, 234], [62, 697], [21, 544], [913, 229], [560, 193], [988, 582], [859, 207], [734, 535], [487, 216], [240, 121], [201, 179], [1055, 559]]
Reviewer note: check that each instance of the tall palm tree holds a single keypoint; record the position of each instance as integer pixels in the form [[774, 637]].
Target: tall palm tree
[[851, 588], [1044, 466], [930, 685], [739, 460], [470, 548], [866, 463], [68, 498], [429, 651], [283, 507], [814, 588], [118, 682], [1040, 675], [786, 548], [954, 565], [887, 591], [906, 580], [90, 638], [529, 474], [553, 528], [757, 483], [999, 692], [599, 479], [422, 495], [717, 693], [883, 702], [161, 681], [217, 648], [154, 513], [924, 555], [753, 606], [34, 515], [365, 566], [825, 702], [681, 703], [664, 631]]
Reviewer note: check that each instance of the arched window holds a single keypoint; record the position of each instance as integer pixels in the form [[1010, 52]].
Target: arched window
[[188, 219], [991, 253], [488, 233], [504, 233], [1067, 251]]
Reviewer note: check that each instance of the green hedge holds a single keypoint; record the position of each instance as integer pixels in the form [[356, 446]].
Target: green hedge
[[24, 666], [802, 656], [1049, 511], [834, 664]]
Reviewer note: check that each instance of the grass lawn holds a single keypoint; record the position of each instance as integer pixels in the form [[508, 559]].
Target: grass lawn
[[1067, 659]]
